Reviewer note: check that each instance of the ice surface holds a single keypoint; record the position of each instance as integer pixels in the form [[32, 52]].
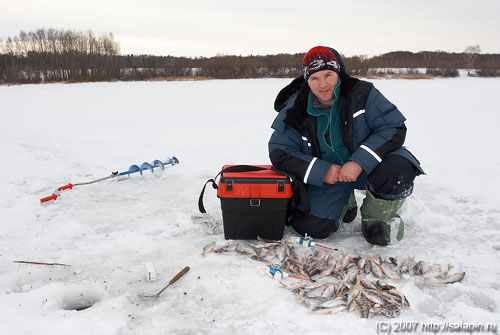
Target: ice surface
[[54, 134]]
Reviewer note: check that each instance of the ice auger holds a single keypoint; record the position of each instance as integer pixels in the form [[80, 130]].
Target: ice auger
[[132, 169]]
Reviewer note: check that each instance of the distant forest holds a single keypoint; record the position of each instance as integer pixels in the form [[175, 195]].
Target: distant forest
[[49, 55]]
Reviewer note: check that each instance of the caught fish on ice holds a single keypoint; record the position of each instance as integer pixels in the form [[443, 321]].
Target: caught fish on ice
[[345, 282]]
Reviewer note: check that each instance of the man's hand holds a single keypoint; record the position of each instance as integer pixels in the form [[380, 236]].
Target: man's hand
[[332, 176], [349, 172]]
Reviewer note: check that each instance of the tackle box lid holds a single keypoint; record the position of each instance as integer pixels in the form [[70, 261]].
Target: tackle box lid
[[256, 184], [264, 174]]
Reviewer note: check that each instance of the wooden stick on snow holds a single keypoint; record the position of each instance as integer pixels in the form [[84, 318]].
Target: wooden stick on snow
[[40, 263]]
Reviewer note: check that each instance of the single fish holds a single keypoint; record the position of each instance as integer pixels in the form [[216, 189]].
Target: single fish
[[362, 306], [333, 303], [377, 270], [364, 265], [311, 303], [387, 311], [282, 252], [328, 272], [317, 291], [400, 297], [382, 286], [330, 291], [353, 295], [377, 259], [374, 297], [333, 310], [454, 278], [208, 249], [297, 285], [390, 271], [434, 272], [415, 268], [346, 260], [368, 285]]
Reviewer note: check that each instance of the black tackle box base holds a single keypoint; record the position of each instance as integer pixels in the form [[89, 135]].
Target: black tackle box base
[[246, 219]]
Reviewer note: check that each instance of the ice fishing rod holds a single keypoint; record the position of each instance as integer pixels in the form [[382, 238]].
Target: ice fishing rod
[[308, 242], [132, 169], [275, 272]]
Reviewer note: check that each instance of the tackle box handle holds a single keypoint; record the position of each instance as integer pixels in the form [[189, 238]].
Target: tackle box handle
[[235, 168]]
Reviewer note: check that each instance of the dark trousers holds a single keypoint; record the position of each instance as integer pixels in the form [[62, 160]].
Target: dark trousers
[[392, 179]]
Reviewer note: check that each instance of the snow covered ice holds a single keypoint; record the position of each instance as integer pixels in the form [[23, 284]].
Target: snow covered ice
[[54, 134]]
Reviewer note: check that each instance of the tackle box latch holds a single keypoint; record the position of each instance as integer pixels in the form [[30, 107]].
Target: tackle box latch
[[229, 185], [281, 186], [254, 202]]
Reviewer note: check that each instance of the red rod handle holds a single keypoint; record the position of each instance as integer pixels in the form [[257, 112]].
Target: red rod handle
[[65, 187], [52, 197], [297, 277], [322, 246]]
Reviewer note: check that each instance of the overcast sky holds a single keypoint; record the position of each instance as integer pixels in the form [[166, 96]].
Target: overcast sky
[[259, 27]]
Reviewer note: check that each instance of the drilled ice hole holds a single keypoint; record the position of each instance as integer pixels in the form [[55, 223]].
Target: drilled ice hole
[[79, 298]]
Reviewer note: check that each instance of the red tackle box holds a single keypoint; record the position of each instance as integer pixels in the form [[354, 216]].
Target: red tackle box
[[254, 204]]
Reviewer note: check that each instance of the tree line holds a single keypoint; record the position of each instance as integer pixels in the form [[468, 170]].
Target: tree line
[[50, 55]]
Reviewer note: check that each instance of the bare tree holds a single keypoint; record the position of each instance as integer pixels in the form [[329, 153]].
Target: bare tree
[[470, 57]]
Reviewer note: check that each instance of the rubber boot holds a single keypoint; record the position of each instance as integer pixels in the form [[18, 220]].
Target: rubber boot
[[350, 210], [375, 216]]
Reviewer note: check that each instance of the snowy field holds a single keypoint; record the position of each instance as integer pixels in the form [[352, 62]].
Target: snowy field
[[51, 135]]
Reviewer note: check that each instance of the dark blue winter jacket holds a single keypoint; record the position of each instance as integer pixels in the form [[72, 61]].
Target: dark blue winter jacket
[[371, 126]]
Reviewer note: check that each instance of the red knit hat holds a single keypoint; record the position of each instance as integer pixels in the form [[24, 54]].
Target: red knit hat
[[318, 59]]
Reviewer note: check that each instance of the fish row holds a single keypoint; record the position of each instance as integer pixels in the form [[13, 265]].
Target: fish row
[[342, 281], [310, 262]]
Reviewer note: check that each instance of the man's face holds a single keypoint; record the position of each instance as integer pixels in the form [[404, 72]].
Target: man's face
[[322, 84]]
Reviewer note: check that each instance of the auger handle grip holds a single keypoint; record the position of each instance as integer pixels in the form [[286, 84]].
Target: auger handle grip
[[51, 197], [179, 275], [65, 187]]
